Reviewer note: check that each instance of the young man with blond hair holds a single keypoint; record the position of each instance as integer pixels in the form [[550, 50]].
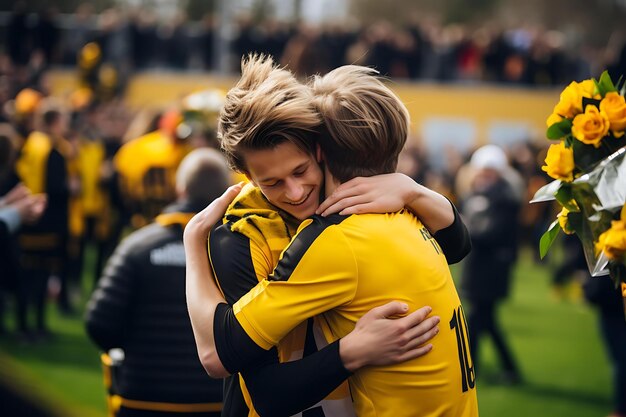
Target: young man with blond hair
[[257, 136]]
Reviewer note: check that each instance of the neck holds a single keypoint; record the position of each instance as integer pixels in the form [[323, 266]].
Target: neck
[[330, 183]]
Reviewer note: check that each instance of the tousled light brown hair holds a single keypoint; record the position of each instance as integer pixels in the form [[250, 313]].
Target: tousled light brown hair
[[267, 107], [365, 124]]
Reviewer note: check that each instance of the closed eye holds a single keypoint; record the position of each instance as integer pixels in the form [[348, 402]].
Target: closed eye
[[274, 184]]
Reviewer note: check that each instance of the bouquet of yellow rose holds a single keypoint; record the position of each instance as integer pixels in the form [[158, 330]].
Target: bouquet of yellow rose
[[588, 164]]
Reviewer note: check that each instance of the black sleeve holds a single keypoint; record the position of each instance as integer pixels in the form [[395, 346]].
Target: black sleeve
[[235, 348], [302, 383], [455, 239], [232, 262], [108, 308]]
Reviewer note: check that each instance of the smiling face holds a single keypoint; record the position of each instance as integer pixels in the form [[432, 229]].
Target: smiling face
[[290, 178]]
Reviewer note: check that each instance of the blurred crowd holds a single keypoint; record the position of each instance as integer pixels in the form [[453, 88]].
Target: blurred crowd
[[115, 166], [137, 39], [83, 170], [100, 169]]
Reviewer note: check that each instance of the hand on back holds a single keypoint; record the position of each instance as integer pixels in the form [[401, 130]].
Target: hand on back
[[380, 339], [378, 194]]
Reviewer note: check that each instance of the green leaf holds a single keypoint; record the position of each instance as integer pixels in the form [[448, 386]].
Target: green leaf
[[605, 84], [586, 156], [564, 197], [547, 192], [548, 238], [559, 129]]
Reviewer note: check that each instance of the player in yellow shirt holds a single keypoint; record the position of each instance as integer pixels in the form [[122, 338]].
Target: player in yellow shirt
[[146, 168], [270, 161]]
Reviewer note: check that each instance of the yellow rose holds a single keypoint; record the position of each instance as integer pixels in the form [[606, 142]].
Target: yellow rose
[[588, 88], [614, 106], [571, 100], [560, 162], [591, 126], [554, 118], [564, 223], [613, 240]]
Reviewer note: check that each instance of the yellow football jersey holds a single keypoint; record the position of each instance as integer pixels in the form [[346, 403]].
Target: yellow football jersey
[[342, 267], [267, 234]]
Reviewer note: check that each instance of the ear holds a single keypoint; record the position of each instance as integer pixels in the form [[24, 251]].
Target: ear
[[247, 174], [180, 192], [319, 155]]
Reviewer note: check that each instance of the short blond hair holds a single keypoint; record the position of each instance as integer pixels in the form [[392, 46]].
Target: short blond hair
[[267, 107], [366, 124]]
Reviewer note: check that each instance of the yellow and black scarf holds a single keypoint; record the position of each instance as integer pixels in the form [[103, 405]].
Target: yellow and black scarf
[[256, 218]]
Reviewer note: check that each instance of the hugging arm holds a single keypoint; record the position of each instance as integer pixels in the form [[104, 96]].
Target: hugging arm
[[306, 381], [373, 329], [393, 192], [203, 297]]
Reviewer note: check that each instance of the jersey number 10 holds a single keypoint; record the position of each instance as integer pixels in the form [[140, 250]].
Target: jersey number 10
[[459, 324]]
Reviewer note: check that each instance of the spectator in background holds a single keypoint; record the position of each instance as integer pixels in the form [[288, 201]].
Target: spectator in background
[[80, 33], [206, 41], [21, 111], [600, 291], [95, 214], [43, 166], [47, 35], [18, 35], [139, 304], [146, 169], [491, 210], [18, 206]]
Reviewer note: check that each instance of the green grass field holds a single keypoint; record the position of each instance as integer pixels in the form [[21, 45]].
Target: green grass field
[[565, 368]]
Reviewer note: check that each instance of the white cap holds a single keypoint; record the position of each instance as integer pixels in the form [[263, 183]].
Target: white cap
[[489, 156]]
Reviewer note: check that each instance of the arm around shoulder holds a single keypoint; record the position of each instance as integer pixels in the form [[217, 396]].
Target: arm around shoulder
[[203, 295], [455, 239]]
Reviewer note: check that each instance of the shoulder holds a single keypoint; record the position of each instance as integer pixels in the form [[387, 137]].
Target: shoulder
[[127, 153], [237, 263], [143, 240], [317, 224], [318, 235], [313, 228], [224, 238]]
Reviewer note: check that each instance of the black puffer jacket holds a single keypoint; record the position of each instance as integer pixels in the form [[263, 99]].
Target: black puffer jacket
[[140, 306], [491, 216]]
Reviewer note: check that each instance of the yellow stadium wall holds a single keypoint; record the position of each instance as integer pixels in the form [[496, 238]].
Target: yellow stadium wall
[[481, 107]]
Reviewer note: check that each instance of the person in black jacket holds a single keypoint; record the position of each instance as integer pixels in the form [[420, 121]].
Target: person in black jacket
[[491, 211], [600, 291], [139, 306]]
